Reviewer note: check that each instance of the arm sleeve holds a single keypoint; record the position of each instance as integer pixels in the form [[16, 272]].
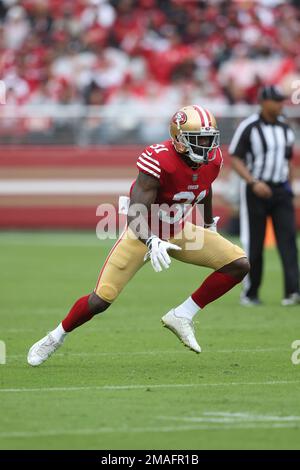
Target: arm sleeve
[[240, 143]]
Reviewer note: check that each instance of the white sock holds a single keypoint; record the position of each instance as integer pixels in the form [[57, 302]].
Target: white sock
[[59, 333], [187, 309]]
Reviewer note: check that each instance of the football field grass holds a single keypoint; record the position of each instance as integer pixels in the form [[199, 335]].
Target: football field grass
[[122, 381]]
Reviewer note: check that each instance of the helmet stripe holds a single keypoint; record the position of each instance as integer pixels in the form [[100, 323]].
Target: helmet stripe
[[209, 116], [203, 116]]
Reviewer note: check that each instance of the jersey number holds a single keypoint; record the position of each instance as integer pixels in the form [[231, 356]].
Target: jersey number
[[185, 197], [157, 149]]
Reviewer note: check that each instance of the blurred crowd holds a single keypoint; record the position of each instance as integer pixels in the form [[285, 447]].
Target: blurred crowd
[[132, 52]]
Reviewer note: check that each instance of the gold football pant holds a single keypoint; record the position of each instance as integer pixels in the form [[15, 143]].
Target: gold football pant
[[200, 246]]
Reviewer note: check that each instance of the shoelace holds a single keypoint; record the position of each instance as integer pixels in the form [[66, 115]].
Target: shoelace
[[189, 323], [42, 350]]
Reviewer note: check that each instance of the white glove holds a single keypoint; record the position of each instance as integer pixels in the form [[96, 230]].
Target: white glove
[[213, 226], [158, 253], [124, 202]]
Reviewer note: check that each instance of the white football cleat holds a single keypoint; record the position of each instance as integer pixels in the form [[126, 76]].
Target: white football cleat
[[250, 301], [183, 329], [292, 299], [40, 351]]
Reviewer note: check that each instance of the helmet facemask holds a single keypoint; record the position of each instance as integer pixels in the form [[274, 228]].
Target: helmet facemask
[[195, 151], [194, 133]]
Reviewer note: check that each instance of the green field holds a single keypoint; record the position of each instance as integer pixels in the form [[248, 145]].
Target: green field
[[122, 381]]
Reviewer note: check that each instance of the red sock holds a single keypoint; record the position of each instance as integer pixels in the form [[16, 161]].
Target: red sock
[[79, 314], [214, 286]]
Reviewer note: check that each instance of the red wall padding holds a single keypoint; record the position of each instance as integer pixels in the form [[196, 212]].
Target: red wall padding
[[78, 212]]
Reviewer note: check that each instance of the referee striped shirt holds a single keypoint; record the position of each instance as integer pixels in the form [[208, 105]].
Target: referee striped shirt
[[265, 147]]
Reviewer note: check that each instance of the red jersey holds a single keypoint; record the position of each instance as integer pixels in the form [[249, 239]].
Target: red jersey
[[179, 183]]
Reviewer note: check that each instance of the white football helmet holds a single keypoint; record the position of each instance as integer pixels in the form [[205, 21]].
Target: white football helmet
[[188, 127]]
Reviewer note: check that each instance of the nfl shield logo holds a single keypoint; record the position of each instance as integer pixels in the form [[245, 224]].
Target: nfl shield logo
[[194, 177]]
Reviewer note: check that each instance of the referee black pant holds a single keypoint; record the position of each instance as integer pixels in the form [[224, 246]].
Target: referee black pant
[[253, 216]]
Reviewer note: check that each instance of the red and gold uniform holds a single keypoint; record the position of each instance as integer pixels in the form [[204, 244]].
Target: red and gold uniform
[[178, 181], [180, 173], [179, 184]]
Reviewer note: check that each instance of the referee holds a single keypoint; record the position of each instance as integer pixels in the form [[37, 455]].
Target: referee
[[261, 151]]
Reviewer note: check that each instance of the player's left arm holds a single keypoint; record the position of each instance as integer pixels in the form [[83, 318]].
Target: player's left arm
[[208, 211], [210, 221]]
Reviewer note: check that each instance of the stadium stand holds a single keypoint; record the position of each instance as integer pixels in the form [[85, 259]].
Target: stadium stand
[[102, 72], [100, 51]]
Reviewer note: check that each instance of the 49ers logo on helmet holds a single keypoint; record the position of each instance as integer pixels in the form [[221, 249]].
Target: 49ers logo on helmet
[[179, 118]]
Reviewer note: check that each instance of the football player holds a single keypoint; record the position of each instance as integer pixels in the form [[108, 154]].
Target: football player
[[178, 171]]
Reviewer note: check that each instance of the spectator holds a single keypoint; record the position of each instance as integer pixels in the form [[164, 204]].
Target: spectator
[[223, 50]]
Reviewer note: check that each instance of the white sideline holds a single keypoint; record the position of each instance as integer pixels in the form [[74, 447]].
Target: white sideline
[[85, 186], [150, 429], [64, 187], [144, 386], [70, 244]]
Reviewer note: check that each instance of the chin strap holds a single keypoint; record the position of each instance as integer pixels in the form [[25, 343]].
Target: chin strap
[[203, 160], [197, 162]]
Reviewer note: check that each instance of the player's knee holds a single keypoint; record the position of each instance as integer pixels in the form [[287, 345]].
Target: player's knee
[[96, 304], [241, 268], [107, 291], [238, 268]]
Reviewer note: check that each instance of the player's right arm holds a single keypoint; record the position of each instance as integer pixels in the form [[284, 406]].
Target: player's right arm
[[144, 194]]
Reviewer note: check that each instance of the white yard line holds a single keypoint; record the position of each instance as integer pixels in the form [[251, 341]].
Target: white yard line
[[33, 311], [152, 353], [251, 416], [219, 417], [5, 331], [144, 386], [150, 429]]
